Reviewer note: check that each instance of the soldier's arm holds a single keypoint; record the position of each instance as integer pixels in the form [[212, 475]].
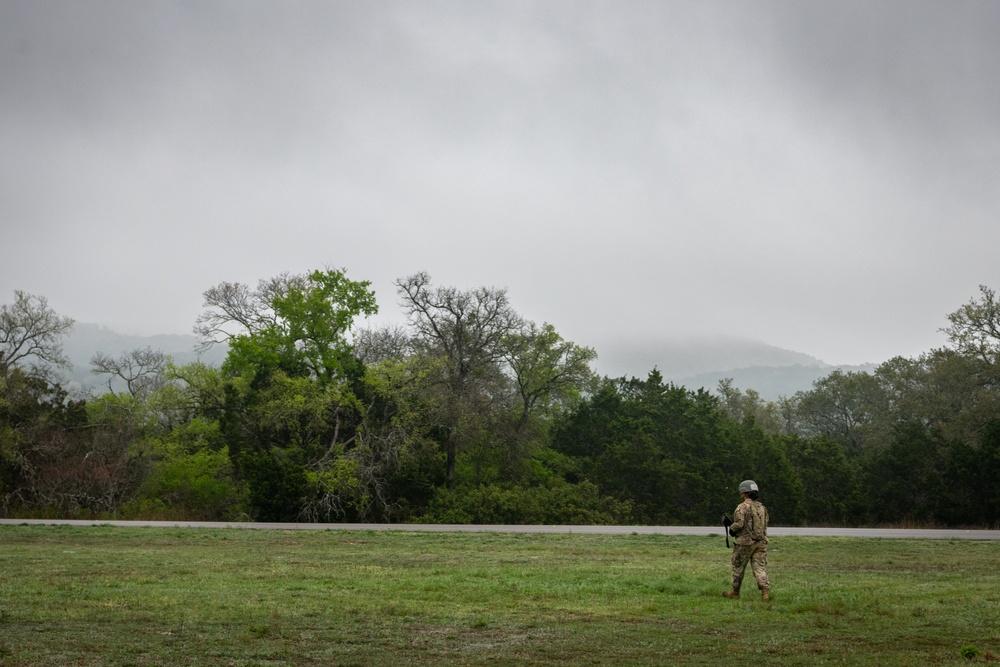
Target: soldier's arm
[[739, 520]]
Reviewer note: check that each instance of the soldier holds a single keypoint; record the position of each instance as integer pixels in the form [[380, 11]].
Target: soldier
[[749, 527]]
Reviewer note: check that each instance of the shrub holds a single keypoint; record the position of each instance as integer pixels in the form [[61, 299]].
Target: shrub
[[196, 486], [559, 504]]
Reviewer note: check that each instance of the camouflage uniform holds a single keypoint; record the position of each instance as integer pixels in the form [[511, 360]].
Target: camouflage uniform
[[750, 528]]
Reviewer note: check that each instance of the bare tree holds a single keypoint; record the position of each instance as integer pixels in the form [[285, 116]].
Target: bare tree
[[469, 330], [234, 309], [141, 369], [31, 331], [73, 470], [468, 327], [389, 342]]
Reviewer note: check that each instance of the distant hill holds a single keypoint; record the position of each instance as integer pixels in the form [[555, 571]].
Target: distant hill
[[702, 362], [88, 339], [694, 363], [771, 382]]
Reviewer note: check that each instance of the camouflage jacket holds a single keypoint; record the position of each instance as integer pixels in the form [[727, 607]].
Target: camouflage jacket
[[750, 522]]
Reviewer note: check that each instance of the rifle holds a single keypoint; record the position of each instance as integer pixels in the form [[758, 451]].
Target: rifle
[[726, 523]]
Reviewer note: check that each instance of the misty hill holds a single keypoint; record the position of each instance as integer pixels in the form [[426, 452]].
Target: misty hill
[[771, 382], [702, 362], [88, 339], [694, 363]]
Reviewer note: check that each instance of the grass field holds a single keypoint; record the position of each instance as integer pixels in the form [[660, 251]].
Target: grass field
[[152, 596]]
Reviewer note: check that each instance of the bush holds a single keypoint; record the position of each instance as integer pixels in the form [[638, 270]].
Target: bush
[[559, 504], [969, 652], [195, 486]]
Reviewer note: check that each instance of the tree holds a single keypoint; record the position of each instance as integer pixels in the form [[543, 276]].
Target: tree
[[748, 405], [300, 324], [830, 480], [548, 370], [907, 479], [31, 331], [233, 309], [391, 342], [469, 332], [941, 390], [840, 405], [394, 462], [643, 442], [290, 410], [975, 328], [65, 455], [141, 369], [59, 453], [971, 478]]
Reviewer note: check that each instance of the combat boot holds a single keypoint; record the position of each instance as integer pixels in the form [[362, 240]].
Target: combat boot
[[764, 596], [732, 595]]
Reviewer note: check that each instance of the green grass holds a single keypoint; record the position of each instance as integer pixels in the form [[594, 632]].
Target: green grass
[[149, 596]]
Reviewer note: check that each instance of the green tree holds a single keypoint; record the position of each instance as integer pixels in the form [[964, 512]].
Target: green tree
[[975, 328], [907, 480], [840, 405], [638, 441], [549, 372], [673, 455], [830, 481], [290, 410], [971, 474], [396, 462], [749, 405]]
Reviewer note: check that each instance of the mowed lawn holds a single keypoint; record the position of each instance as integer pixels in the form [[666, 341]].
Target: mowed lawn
[[190, 596]]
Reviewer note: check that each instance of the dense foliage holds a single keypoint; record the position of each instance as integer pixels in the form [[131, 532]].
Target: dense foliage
[[470, 414]]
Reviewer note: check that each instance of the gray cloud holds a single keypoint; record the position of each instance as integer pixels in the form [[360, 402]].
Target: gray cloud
[[815, 175]]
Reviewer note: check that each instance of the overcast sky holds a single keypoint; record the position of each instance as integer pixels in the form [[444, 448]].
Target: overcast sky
[[819, 176]]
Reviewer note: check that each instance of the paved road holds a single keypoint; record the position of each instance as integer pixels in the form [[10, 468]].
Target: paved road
[[774, 531]]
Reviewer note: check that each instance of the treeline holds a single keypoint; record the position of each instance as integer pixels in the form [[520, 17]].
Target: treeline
[[470, 414]]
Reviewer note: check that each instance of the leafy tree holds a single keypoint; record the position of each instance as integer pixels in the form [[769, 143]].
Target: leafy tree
[[906, 480], [673, 455], [764, 457], [549, 372], [749, 405], [396, 461], [192, 394], [840, 405], [290, 408], [305, 330], [558, 503], [198, 485], [830, 480], [636, 439], [975, 328], [971, 474], [59, 453], [940, 390], [33, 417]]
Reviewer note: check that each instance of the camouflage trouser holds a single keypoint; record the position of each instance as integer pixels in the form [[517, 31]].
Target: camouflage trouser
[[756, 555]]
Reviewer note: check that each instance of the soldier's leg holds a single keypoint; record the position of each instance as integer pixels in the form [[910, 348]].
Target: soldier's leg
[[741, 556], [758, 565]]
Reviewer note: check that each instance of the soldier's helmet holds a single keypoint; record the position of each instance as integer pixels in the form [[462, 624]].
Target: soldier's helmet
[[748, 485]]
